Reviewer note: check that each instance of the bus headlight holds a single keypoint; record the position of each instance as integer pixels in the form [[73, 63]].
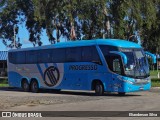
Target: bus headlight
[[126, 80]]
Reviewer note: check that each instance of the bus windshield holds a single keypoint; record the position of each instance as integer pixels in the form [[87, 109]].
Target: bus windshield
[[137, 65]]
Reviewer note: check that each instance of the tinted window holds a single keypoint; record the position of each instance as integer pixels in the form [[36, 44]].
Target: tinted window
[[44, 56], [31, 57], [17, 57], [114, 64], [90, 54], [73, 54], [105, 49], [20, 57], [12, 57], [58, 55]]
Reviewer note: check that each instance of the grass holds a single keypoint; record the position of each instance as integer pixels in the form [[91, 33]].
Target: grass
[[155, 82], [154, 73], [3, 82], [4, 85]]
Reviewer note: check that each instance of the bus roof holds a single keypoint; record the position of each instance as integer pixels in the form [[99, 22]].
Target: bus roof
[[111, 42]]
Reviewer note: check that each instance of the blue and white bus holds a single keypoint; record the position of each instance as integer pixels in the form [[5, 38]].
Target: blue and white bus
[[103, 65]]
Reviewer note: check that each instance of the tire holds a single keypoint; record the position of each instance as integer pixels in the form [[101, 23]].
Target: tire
[[34, 86], [121, 93], [25, 86], [99, 89]]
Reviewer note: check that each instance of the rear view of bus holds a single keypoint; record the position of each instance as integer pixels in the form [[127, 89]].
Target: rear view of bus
[[103, 65]]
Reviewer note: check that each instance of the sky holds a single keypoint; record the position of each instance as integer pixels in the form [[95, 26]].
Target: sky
[[23, 34], [24, 38]]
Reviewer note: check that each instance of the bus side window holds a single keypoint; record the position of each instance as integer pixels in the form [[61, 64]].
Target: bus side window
[[21, 57], [90, 54], [17, 57], [12, 57], [116, 66], [31, 57], [59, 55], [86, 54], [73, 54], [44, 56]]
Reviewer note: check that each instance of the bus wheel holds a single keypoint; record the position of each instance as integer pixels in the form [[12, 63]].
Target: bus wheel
[[34, 86], [99, 89], [121, 93], [25, 85]]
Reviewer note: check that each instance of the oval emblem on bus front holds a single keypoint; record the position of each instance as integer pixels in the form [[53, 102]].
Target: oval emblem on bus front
[[51, 76]]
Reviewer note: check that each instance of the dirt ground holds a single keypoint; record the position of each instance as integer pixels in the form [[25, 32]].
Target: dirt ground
[[16, 97]]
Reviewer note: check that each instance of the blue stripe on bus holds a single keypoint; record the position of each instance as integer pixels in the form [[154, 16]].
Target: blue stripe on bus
[[40, 70], [46, 65]]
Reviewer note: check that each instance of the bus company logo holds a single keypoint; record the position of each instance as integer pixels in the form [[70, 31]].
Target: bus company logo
[[51, 76]]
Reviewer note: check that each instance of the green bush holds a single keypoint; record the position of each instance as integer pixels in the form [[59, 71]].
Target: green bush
[[3, 81], [155, 82], [154, 73]]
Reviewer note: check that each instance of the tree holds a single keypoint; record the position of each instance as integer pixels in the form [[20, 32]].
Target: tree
[[151, 29], [8, 20]]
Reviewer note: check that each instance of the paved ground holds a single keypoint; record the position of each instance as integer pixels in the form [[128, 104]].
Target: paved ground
[[16, 100]]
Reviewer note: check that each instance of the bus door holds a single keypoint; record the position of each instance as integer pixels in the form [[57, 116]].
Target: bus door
[[115, 66]]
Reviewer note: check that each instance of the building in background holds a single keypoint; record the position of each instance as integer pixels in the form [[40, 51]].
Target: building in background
[[3, 63]]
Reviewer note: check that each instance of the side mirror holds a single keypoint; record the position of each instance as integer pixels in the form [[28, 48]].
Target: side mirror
[[124, 57], [148, 54]]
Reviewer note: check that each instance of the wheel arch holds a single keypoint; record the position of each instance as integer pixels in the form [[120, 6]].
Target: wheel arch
[[94, 83], [35, 79], [23, 79]]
